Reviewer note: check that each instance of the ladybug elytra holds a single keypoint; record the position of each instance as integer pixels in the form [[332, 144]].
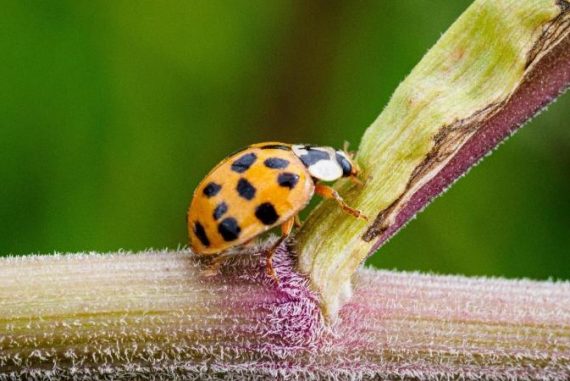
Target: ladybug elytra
[[260, 187]]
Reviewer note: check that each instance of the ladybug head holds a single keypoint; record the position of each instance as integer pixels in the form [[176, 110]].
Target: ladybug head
[[350, 168], [345, 161]]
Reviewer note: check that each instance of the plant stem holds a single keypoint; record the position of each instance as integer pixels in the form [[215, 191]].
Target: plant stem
[[152, 314], [496, 67]]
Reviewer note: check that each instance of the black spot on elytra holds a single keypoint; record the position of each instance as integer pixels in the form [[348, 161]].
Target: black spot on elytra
[[266, 213], [201, 233], [313, 155], [211, 189], [244, 162], [220, 210], [229, 229], [344, 164], [276, 146], [288, 180], [276, 163], [245, 189]]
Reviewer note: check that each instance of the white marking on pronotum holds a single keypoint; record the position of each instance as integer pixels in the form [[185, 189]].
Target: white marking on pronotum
[[299, 150], [323, 169], [326, 170]]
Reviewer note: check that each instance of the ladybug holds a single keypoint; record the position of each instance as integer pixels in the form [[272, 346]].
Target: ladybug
[[260, 187]]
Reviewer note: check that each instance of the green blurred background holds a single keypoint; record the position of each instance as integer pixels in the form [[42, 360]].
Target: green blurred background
[[111, 112]]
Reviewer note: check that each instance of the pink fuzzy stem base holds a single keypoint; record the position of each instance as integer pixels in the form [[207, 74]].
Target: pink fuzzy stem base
[[153, 315]]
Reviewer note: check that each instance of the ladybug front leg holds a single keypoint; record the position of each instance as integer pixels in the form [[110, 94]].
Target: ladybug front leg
[[286, 229], [329, 193], [298, 222]]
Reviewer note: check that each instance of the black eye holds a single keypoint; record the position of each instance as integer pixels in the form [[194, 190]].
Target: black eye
[[344, 164]]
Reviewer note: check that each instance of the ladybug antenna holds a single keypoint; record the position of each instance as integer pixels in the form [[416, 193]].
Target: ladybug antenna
[[345, 149]]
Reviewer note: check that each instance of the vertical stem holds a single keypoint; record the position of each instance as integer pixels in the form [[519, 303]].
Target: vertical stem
[[495, 67]]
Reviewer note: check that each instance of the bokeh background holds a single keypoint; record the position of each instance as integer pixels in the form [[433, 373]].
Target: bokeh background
[[111, 113]]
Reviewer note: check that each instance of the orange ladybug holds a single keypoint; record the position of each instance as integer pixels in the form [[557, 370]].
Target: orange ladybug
[[260, 187]]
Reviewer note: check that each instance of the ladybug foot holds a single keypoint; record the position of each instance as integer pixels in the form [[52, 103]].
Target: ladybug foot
[[329, 193], [269, 270], [354, 212]]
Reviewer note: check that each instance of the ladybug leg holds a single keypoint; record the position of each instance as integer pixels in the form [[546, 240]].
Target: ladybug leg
[[329, 193], [218, 260], [213, 268], [286, 229], [356, 180], [298, 222]]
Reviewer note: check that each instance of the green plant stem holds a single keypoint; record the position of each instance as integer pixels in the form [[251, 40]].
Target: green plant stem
[[496, 66]]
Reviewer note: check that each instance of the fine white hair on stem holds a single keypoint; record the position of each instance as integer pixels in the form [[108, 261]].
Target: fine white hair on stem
[[151, 314]]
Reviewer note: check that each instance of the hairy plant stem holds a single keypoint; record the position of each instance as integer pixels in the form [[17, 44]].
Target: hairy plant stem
[[131, 316], [496, 66]]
